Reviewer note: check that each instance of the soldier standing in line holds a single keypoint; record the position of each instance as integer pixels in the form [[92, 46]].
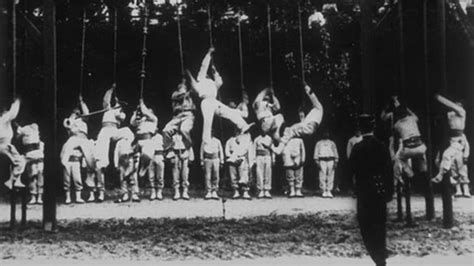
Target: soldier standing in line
[[33, 149], [181, 159], [239, 155], [76, 149], [456, 155], [326, 158], [350, 144], [6, 148], [371, 165], [294, 157], [111, 122], [157, 169], [212, 159], [264, 159], [127, 158]]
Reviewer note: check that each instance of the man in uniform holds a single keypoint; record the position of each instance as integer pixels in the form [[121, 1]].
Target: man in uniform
[[157, 168], [33, 149], [127, 158], [455, 157], [407, 134], [181, 159], [267, 107], [207, 89], [212, 158], [308, 126], [294, 157], [326, 158], [239, 157], [264, 158], [183, 118], [145, 123], [76, 149], [6, 148], [111, 121], [371, 165]]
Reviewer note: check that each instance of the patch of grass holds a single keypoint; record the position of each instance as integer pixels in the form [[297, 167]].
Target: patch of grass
[[321, 234]]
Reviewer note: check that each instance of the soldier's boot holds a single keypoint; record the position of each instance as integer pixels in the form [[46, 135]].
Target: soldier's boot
[[32, 200], [261, 194], [39, 200], [292, 193], [185, 194], [236, 194], [267, 194], [246, 195], [17, 183], [68, 198], [176, 196], [467, 193], [79, 199], [135, 197], [101, 196], [298, 193], [329, 194], [458, 191], [153, 194], [159, 194], [208, 195], [214, 195], [91, 197]]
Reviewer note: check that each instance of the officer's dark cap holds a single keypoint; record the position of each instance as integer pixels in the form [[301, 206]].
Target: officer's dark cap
[[366, 123]]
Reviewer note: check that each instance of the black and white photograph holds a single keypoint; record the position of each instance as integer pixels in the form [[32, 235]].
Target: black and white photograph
[[236, 132]]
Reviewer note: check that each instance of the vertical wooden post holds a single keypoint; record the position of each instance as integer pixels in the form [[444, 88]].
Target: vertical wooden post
[[448, 219], [401, 50], [24, 203], [429, 197], [407, 190], [12, 208], [367, 49], [399, 203], [51, 158]]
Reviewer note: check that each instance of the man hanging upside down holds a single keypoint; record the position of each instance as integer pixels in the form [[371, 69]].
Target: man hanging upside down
[[111, 121], [455, 156], [6, 148], [267, 107], [207, 89], [183, 118], [74, 150], [308, 126]]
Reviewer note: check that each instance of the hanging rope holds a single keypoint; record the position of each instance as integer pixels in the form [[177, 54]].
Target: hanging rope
[[115, 46], [270, 61], [83, 44], [300, 27], [180, 41], [144, 52], [14, 48], [241, 55], [209, 23]]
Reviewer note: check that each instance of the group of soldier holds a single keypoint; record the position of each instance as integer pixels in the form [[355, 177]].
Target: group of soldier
[[141, 151]]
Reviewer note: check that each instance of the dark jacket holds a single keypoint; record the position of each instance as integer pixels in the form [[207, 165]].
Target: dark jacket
[[372, 167]]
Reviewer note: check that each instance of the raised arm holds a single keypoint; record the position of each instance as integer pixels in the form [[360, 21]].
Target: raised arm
[[147, 112], [312, 97], [83, 106], [217, 77], [451, 105], [206, 62], [13, 112], [260, 96], [107, 100], [412, 113]]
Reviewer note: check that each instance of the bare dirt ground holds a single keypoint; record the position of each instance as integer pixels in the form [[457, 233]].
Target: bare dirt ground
[[264, 232]]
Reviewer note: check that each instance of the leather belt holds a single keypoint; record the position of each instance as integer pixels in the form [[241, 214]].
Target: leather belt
[[210, 156], [143, 136], [263, 153], [32, 147], [412, 142], [74, 158]]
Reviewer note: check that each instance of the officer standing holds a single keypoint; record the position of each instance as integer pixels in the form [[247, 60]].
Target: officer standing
[[371, 166]]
